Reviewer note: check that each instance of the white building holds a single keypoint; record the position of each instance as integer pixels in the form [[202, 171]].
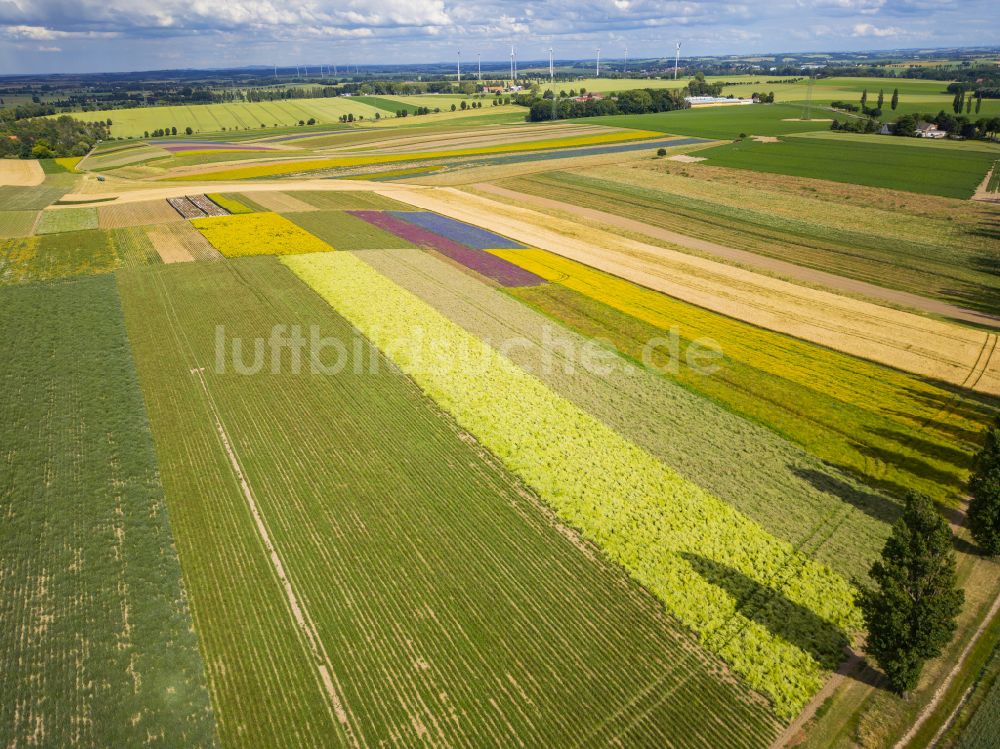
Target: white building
[[714, 101]]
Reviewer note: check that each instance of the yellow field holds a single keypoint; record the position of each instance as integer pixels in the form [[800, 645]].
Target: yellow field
[[258, 234]]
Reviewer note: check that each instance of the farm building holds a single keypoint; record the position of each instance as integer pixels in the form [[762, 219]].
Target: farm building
[[714, 101], [930, 130]]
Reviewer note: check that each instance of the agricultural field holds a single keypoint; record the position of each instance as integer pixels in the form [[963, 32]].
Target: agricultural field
[[910, 249], [348, 232], [953, 174], [97, 644], [210, 118], [265, 469], [257, 234], [57, 220], [17, 223], [462, 430]]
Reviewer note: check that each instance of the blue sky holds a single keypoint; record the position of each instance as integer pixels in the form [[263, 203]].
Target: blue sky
[[116, 35]]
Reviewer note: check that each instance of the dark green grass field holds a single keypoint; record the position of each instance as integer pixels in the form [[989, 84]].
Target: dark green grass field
[[390, 106], [951, 174], [343, 231], [97, 646], [722, 123], [444, 599]]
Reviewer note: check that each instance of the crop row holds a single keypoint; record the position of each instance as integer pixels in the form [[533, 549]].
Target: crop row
[[790, 493], [715, 570], [898, 431], [920, 255], [452, 610], [97, 646]]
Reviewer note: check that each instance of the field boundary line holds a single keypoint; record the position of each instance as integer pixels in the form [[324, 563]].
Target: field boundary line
[[300, 614]]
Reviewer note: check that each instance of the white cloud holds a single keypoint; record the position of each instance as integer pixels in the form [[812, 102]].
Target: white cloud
[[867, 29]]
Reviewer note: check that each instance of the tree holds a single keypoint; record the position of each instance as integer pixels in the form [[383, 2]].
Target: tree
[[906, 126], [910, 612], [958, 102], [189, 131], [881, 98], [979, 102], [894, 102], [864, 98], [173, 131], [984, 489]]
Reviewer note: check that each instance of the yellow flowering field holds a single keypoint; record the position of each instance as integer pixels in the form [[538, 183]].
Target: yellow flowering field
[[258, 234]]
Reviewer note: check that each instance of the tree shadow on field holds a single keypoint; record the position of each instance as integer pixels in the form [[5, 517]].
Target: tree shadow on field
[[878, 506], [796, 624], [937, 450]]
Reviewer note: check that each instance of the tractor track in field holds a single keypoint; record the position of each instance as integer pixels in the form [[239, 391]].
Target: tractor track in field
[[303, 620]]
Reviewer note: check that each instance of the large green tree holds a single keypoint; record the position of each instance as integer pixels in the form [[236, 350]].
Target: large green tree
[[984, 487], [881, 98], [894, 102], [911, 607]]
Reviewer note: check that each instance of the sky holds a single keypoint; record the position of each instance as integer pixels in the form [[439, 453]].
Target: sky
[[53, 36]]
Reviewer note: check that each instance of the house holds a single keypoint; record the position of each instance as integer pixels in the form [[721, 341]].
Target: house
[[888, 128], [589, 97], [714, 101], [492, 89], [930, 130]]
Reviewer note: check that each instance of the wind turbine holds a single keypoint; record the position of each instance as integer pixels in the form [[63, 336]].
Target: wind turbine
[[677, 59], [275, 71], [551, 69], [512, 66], [479, 65], [598, 62], [626, 61], [459, 67]]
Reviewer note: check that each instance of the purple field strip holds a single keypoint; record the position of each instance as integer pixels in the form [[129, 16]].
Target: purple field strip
[[458, 231], [491, 266]]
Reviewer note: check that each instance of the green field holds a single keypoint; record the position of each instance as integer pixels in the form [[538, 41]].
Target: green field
[[722, 123], [67, 219], [350, 200], [953, 174], [342, 231], [75, 253], [935, 257], [207, 118], [451, 604], [97, 641]]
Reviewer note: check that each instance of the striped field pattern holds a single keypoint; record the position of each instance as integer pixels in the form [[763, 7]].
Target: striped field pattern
[[362, 573], [715, 570]]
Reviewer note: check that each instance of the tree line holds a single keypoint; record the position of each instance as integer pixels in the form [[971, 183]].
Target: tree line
[[46, 138]]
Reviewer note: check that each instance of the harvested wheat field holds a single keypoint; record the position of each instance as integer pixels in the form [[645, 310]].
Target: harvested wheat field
[[144, 213], [21, 172], [939, 350]]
